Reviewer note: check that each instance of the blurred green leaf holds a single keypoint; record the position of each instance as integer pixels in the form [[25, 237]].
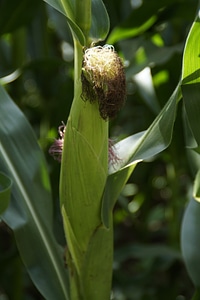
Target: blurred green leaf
[[5, 191], [139, 20], [14, 14], [154, 55], [120, 33], [196, 295], [30, 212], [190, 240], [146, 88], [141, 251], [191, 79]]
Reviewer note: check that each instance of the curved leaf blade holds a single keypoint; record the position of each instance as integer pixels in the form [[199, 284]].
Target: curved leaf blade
[[5, 190], [30, 212], [191, 79], [100, 21], [66, 8], [78, 34]]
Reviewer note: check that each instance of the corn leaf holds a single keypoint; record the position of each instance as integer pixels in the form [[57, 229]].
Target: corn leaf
[[191, 79], [30, 211], [67, 9], [100, 24], [190, 238]]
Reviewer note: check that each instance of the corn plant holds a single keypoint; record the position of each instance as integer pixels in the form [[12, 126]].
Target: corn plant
[[93, 168]]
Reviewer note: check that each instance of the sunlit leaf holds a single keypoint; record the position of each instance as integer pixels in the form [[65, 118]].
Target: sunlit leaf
[[120, 33], [191, 79], [30, 212], [5, 191], [139, 20]]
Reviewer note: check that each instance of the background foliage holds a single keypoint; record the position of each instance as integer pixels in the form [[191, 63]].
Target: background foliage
[[36, 68]]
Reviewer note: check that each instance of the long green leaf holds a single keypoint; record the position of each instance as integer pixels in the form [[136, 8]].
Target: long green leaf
[[190, 241], [30, 212], [191, 79], [5, 190]]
